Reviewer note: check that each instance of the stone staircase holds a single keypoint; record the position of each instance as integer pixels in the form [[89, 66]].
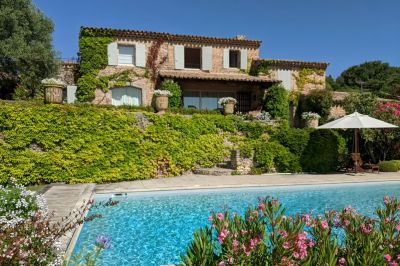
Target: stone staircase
[[223, 168]]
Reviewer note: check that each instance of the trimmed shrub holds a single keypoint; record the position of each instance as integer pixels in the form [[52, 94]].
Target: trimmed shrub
[[295, 139], [388, 166], [175, 101], [364, 103], [270, 155], [318, 101], [253, 129], [276, 102], [325, 152]]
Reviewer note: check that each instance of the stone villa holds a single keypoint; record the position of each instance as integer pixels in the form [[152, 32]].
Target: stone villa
[[206, 68]]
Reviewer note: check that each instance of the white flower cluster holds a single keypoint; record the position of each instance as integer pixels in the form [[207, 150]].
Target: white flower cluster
[[310, 115], [25, 203], [53, 81], [162, 93], [226, 100]]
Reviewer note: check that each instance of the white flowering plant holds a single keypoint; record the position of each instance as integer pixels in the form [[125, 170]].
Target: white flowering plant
[[162, 93], [226, 100], [310, 116], [53, 81]]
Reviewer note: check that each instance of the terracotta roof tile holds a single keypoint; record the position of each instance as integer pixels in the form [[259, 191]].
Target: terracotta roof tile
[[294, 63], [174, 37], [186, 74]]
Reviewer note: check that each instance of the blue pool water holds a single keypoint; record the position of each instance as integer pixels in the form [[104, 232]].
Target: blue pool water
[[154, 228]]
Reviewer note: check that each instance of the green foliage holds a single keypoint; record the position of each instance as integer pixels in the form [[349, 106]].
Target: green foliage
[[201, 250], [254, 129], [93, 52], [98, 144], [276, 102], [27, 54], [260, 67], [270, 155], [175, 101], [374, 76], [364, 103], [318, 101], [389, 166], [325, 152], [191, 111]]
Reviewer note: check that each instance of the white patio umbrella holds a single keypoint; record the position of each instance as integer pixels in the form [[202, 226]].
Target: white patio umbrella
[[356, 121]]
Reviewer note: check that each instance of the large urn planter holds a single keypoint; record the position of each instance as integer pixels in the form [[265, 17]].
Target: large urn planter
[[311, 119], [53, 90], [229, 105], [161, 100]]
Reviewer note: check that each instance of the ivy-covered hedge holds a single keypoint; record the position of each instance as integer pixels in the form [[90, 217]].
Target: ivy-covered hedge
[[60, 143]]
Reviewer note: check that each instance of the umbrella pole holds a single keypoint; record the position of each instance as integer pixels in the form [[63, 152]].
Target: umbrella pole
[[356, 150]]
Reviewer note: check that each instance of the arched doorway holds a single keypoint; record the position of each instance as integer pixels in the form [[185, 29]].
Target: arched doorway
[[130, 96]]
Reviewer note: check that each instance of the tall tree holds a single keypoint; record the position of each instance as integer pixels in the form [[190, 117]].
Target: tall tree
[[373, 76], [26, 51]]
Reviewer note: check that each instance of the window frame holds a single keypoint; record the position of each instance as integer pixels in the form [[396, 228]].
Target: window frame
[[184, 57], [133, 47], [238, 57]]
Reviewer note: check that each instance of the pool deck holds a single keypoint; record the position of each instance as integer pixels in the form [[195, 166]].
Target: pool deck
[[64, 198]]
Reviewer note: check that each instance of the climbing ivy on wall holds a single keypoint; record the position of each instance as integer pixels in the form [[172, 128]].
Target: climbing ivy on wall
[[304, 77], [259, 67], [93, 57]]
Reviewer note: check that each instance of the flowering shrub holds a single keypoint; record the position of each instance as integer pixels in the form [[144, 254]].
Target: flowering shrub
[[310, 116], [264, 235], [226, 100], [52, 81], [162, 93], [101, 243], [27, 237]]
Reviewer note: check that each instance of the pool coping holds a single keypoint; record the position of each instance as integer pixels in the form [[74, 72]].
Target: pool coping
[[108, 189]]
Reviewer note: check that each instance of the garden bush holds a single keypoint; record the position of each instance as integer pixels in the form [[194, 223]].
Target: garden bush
[[389, 166], [265, 235], [318, 101], [276, 102], [254, 129], [272, 155], [175, 100], [326, 151], [295, 139]]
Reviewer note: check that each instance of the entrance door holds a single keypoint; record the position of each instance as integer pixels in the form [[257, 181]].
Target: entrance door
[[126, 96], [244, 102]]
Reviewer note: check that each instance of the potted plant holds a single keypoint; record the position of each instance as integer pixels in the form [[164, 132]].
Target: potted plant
[[311, 119], [229, 104], [161, 100], [53, 90]]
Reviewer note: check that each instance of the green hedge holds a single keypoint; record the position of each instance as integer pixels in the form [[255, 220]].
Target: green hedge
[[389, 166], [325, 152], [95, 144]]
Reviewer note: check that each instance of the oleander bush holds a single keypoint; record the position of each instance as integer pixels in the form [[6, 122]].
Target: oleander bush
[[389, 166], [265, 235]]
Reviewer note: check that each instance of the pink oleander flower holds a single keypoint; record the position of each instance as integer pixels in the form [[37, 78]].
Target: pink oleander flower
[[393, 263], [222, 263], [210, 218], [387, 257], [366, 229], [222, 235], [398, 227], [346, 223], [261, 206], [286, 245], [255, 213], [235, 244], [324, 224], [296, 254], [283, 233], [342, 261], [221, 216], [274, 202], [386, 199], [231, 260]]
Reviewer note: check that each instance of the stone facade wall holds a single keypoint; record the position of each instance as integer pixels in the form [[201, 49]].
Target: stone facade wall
[[67, 72]]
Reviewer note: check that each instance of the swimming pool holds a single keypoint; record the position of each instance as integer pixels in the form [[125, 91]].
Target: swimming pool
[[153, 228]]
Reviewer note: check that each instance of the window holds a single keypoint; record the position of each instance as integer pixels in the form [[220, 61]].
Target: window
[[126, 55], [126, 96], [204, 99], [192, 57], [234, 58]]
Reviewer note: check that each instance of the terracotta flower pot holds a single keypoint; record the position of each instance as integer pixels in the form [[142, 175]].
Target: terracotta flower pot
[[229, 108], [53, 93], [313, 123], [161, 104]]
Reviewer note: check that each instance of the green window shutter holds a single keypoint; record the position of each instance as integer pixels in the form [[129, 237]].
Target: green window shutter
[[243, 59], [140, 55], [179, 56], [206, 58], [112, 53], [226, 58]]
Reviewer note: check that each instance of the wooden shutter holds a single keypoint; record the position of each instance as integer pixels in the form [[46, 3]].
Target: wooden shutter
[[140, 55], [112, 53], [179, 56], [243, 59], [206, 58], [226, 58]]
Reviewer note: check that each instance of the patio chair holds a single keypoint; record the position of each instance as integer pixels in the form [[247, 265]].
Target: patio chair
[[356, 157]]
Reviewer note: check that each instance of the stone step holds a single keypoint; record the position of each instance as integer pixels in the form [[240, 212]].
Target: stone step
[[213, 171], [226, 165]]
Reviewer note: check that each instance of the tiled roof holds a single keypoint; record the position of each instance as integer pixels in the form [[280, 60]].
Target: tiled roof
[[294, 63], [174, 37], [187, 74]]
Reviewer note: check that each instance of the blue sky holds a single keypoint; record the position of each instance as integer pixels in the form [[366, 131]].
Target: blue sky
[[341, 32]]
